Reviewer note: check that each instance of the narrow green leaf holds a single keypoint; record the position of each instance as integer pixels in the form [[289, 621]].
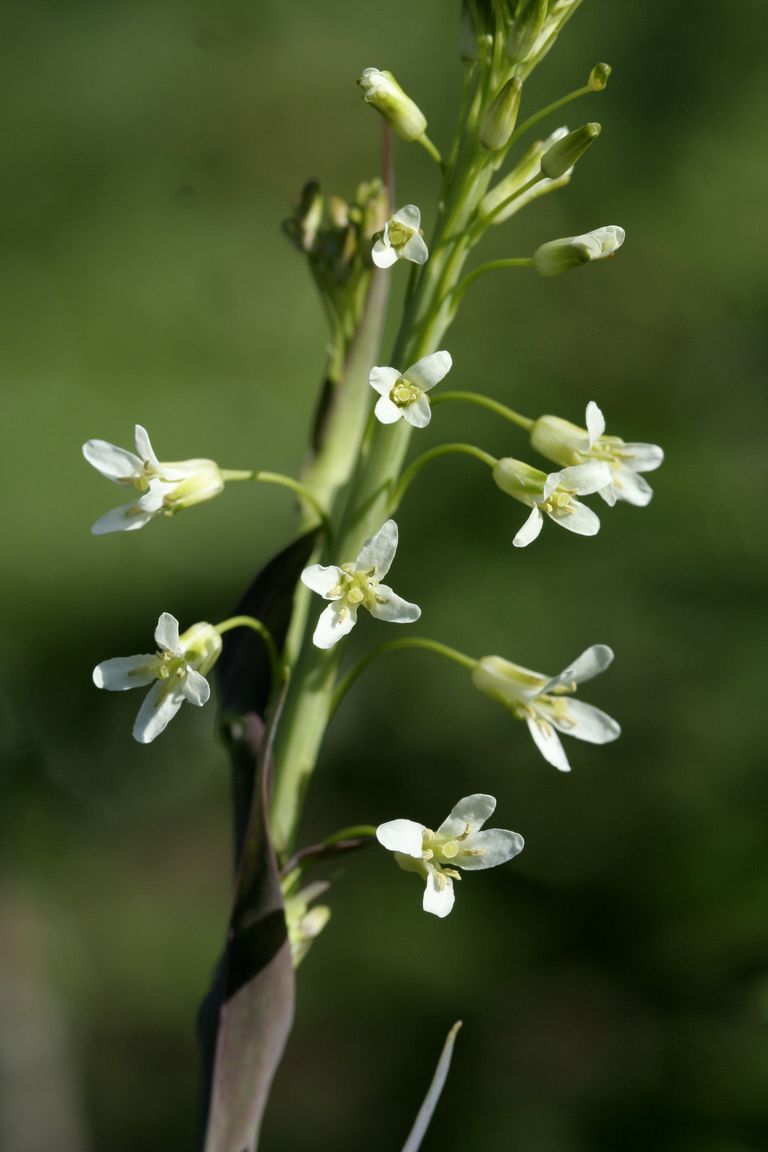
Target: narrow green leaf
[[419, 1130]]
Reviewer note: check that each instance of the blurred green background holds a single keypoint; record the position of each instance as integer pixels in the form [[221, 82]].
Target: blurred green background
[[612, 980]]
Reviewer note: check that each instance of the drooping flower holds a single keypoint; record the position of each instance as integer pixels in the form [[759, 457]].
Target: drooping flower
[[178, 668], [356, 585], [566, 443], [382, 92], [163, 487], [403, 395], [457, 843], [401, 239], [553, 494], [546, 703], [558, 256]]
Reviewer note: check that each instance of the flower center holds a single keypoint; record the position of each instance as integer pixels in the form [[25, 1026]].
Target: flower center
[[404, 393], [398, 234], [560, 501], [170, 667]]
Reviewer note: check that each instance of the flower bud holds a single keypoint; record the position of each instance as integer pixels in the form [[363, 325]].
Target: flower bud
[[303, 225], [598, 77], [564, 154], [382, 91], [559, 256], [500, 118], [519, 480], [559, 440], [201, 645], [528, 25], [193, 481]]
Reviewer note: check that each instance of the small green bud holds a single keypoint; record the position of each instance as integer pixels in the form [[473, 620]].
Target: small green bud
[[501, 116], [382, 92], [303, 225], [529, 22], [598, 77], [563, 155], [558, 256]]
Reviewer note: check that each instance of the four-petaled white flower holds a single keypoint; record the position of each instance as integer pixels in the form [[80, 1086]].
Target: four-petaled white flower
[[358, 584], [178, 667], [458, 843], [546, 703], [404, 394], [566, 443], [401, 239], [553, 494], [164, 488]]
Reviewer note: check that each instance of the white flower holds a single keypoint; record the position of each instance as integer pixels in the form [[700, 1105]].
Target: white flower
[[559, 256], [404, 395], [356, 584], [546, 703], [401, 239], [178, 667], [164, 488], [382, 91], [458, 843], [566, 443], [553, 494]]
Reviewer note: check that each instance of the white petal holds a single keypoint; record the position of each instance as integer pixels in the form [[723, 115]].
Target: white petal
[[474, 810], [383, 255], [115, 463], [438, 899], [409, 215], [548, 743], [430, 370], [418, 413], [585, 667], [404, 836], [144, 447], [631, 487], [196, 688], [586, 478], [321, 578], [126, 672], [383, 379], [386, 411], [585, 722], [167, 634], [643, 457], [415, 249], [160, 706], [335, 621], [595, 422], [379, 552], [576, 518], [126, 518], [394, 609], [530, 529], [496, 846], [608, 494]]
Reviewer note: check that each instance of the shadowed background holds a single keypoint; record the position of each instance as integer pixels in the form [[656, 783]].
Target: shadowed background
[[613, 979]]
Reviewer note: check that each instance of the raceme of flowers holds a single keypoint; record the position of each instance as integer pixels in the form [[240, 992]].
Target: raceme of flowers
[[403, 395], [178, 669], [357, 584], [566, 443], [163, 487], [554, 495], [546, 703], [401, 239], [457, 843]]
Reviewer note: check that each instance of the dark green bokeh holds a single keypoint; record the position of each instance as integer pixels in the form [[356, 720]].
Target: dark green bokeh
[[612, 980]]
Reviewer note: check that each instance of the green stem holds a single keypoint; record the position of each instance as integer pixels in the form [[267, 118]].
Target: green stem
[[429, 147], [484, 221], [348, 839], [346, 683], [485, 402], [278, 672], [281, 481], [550, 108], [457, 293], [412, 471]]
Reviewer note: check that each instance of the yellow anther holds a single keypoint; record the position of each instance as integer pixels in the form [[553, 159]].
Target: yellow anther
[[474, 852], [467, 832], [454, 875], [427, 854]]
